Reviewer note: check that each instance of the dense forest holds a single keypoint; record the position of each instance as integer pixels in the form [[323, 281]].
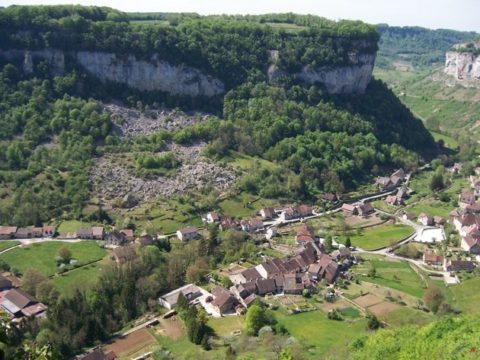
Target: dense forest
[[417, 46], [230, 48]]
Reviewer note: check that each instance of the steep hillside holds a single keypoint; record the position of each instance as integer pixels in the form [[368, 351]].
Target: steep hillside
[[293, 90], [446, 98], [409, 48], [449, 338]]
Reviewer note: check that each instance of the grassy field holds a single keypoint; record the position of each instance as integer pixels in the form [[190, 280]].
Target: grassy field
[[6, 244], [431, 207], [243, 205], [71, 226], [322, 335], [392, 274], [41, 256], [449, 141], [408, 316], [162, 216], [82, 279], [226, 325], [380, 236], [467, 295]]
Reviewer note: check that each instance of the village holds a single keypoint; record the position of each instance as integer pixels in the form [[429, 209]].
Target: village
[[297, 261]]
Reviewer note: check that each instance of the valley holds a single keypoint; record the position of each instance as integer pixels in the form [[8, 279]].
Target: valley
[[280, 186]]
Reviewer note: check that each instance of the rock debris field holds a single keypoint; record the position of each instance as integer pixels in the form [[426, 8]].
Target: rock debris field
[[113, 178], [131, 122]]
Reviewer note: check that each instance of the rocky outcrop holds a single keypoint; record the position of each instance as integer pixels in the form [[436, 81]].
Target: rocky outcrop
[[149, 75], [464, 67], [146, 75], [352, 78]]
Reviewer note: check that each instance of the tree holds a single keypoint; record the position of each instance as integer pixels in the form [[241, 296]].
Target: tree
[[328, 243], [433, 298], [197, 271], [31, 280], [255, 319], [372, 322], [372, 271], [437, 182], [182, 303], [348, 242], [65, 254]]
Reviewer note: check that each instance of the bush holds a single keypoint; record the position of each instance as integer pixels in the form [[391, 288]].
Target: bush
[[335, 314], [373, 323]]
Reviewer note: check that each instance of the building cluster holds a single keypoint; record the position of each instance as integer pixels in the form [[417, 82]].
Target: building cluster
[[13, 232], [17, 304], [431, 258], [398, 198], [392, 182], [308, 265], [359, 209], [466, 221]]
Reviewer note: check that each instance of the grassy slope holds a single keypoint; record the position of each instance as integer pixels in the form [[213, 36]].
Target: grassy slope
[[445, 109], [5, 244], [467, 295], [81, 279], [379, 236], [393, 274], [41, 256], [324, 336]]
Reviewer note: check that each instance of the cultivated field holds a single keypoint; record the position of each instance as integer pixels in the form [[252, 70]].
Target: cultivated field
[[137, 341]]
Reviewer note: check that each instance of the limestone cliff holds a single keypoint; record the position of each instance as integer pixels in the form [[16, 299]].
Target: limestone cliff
[[337, 79], [149, 75], [145, 75], [463, 64], [156, 74]]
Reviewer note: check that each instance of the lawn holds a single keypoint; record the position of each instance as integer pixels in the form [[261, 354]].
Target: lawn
[[449, 141], [324, 336], [431, 207], [407, 316], [467, 295], [6, 244], [392, 274], [82, 279], [70, 226], [41, 256], [243, 205], [380, 236], [226, 325]]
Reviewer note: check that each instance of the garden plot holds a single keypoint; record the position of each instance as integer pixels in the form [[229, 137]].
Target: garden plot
[[131, 343]]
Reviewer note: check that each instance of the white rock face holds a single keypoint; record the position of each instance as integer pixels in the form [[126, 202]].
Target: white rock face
[[464, 67], [139, 74], [351, 79], [342, 79], [150, 75]]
